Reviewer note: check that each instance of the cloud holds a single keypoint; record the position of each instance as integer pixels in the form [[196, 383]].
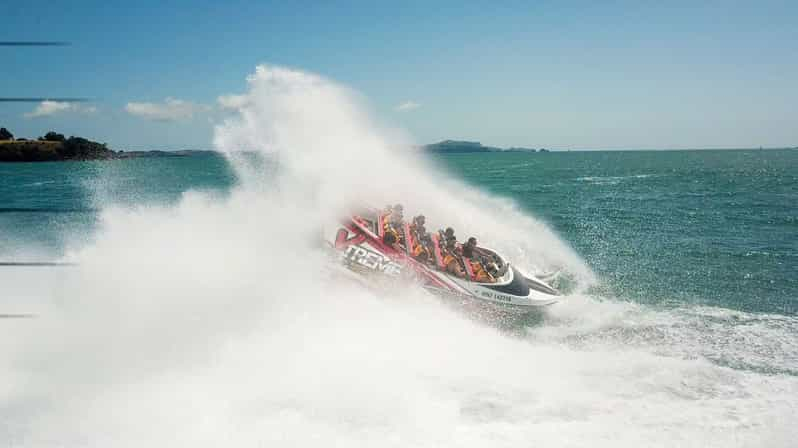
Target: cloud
[[171, 109], [232, 102], [407, 106], [48, 108]]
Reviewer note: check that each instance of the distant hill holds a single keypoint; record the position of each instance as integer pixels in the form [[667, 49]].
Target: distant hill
[[458, 146]]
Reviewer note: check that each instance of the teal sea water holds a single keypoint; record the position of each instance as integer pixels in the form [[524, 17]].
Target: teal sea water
[[668, 228], [665, 227]]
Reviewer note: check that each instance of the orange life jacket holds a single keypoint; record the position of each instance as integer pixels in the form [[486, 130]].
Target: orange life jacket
[[420, 250], [388, 227], [452, 264], [480, 274]]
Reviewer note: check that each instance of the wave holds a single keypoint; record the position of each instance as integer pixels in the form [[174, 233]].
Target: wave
[[613, 180]]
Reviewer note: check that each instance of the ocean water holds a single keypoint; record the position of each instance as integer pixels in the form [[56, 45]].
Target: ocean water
[[198, 314], [713, 228]]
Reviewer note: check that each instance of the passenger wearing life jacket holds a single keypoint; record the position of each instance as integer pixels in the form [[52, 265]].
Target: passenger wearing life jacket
[[394, 215], [482, 274], [393, 223], [421, 252], [425, 251], [390, 239], [421, 240], [448, 237], [451, 260], [417, 226]]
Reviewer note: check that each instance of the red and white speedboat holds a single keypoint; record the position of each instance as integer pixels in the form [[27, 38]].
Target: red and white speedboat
[[358, 242]]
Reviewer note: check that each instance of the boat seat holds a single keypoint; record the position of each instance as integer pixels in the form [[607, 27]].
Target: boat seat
[[381, 226], [410, 243]]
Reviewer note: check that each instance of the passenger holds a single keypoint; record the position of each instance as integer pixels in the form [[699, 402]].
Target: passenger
[[468, 248], [452, 261], [397, 214], [417, 229], [391, 236], [421, 252], [481, 275], [417, 226], [429, 248], [393, 223], [390, 239], [421, 240], [448, 237]]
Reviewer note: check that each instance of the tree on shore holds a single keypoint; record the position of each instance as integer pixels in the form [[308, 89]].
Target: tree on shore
[[5, 134], [53, 137], [81, 148]]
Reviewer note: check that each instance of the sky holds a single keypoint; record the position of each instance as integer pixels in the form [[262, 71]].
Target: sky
[[562, 75]]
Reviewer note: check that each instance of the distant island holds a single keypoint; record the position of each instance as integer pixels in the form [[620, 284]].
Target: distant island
[[458, 146], [55, 147]]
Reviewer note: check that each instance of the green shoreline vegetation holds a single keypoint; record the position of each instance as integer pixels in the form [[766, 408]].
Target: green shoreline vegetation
[[55, 147], [51, 147]]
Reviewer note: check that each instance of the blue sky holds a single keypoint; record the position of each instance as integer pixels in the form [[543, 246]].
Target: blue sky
[[552, 74]]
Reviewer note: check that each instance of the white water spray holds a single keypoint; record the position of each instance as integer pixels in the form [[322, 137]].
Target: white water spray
[[331, 155], [211, 323]]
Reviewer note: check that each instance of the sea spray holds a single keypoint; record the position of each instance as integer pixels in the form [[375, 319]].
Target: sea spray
[[211, 322], [332, 156]]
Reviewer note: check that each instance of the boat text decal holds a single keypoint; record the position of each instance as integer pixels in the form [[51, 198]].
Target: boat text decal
[[372, 260], [501, 297]]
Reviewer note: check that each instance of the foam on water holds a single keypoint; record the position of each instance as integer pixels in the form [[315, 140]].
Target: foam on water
[[215, 322]]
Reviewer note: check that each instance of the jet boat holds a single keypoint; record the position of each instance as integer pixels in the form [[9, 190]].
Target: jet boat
[[357, 241]]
